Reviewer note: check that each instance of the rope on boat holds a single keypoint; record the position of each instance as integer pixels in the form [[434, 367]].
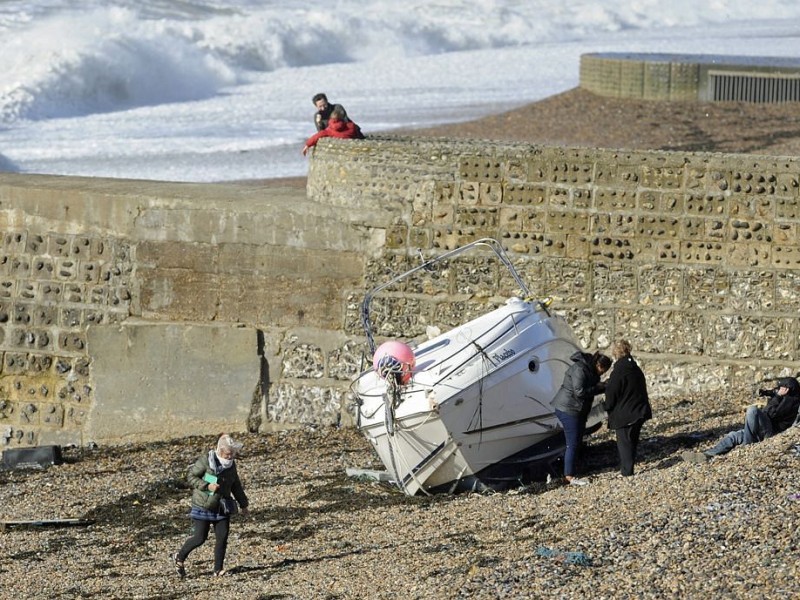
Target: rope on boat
[[485, 359], [391, 400]]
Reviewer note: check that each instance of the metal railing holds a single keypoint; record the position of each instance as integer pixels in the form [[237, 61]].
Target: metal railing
[[741, 87]]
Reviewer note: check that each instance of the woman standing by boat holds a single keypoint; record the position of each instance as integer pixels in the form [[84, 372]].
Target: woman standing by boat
[[627, 404], [573, 401]]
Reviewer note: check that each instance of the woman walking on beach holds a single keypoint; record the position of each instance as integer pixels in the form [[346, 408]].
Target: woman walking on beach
[[573, 401], [217, 490]]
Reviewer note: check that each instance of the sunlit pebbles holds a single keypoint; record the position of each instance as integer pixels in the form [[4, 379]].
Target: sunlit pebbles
[[727, 528]]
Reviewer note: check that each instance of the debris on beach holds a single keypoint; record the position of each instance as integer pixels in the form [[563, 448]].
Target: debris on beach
[[574, 558]]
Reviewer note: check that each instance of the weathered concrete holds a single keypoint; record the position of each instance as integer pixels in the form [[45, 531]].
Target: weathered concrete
[[156, 381], [692, 77], [85, 254]]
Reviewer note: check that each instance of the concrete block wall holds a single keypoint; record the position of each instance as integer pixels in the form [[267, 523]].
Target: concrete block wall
[[133, 310], [681, 77]]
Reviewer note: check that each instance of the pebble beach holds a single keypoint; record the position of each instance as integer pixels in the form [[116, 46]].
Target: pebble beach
[[725, 529]]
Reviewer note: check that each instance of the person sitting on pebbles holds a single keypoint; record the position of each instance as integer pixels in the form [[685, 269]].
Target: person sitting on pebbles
[[776, 416]]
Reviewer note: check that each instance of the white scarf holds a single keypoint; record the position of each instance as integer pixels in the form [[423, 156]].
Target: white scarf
[[225, 463]]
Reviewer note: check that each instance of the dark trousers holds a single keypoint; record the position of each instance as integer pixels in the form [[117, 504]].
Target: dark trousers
[[200, 535], [574, 426], [627, 442]]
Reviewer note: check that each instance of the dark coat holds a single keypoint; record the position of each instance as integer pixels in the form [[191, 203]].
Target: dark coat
[[626, 395], [577, 392], [782, 410], [227, 479]]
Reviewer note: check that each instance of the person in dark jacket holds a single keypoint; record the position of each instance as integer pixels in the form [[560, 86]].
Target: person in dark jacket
[[217, 490], [573, 401], [776, 416], [627, 404], [324, 110], [339, 126]]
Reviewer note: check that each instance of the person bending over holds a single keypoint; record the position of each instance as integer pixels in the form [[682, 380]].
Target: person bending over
[[339, 126], [573, 401]]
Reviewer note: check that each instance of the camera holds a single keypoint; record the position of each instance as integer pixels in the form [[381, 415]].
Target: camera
[[766, 392]]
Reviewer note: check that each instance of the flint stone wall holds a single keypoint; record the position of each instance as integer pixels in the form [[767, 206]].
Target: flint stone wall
[[134, 310], [692, 257]]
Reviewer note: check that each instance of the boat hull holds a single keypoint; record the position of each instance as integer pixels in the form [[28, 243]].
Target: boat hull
[[477, 412]]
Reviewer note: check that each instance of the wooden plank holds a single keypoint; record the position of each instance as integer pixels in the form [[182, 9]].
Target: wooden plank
[[4, 525]]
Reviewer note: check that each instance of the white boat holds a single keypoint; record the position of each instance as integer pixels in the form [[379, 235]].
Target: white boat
[[471, 409]]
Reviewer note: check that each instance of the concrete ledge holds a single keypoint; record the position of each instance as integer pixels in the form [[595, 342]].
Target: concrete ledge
[[685, 77]]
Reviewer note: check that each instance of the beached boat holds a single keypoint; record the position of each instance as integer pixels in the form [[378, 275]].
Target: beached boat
[[469, 409]]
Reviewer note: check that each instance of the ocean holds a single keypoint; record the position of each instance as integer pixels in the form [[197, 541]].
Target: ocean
[[212, 90]]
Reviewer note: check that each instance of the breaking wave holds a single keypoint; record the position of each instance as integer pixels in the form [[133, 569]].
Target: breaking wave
[[115, 55]]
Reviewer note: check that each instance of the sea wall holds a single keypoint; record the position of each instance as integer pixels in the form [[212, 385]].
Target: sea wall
[[134, 310], [692, 257]]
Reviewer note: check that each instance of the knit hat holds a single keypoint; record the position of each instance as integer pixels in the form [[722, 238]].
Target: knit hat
[[226, 442], [791, 383]]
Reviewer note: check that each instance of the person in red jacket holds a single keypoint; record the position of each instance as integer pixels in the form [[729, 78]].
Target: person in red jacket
[[339, 126]]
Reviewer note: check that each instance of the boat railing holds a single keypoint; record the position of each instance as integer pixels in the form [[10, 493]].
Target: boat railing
[[452, 361], [490, 243]]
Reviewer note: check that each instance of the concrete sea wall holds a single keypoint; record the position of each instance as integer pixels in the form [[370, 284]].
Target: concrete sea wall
[[135, 310]]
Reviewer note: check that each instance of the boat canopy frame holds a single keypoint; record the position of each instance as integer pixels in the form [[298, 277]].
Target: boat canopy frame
[[490, 243]]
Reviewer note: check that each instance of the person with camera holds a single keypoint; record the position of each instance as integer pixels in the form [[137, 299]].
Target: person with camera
[[324, 110], [776, 416]]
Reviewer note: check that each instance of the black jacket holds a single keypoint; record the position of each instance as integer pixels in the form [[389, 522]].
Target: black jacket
[[321, 117], [782, 410], [579, 388], [626, 394]]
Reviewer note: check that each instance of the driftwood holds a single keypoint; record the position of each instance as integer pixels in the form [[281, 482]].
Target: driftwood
[[4, 525]]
